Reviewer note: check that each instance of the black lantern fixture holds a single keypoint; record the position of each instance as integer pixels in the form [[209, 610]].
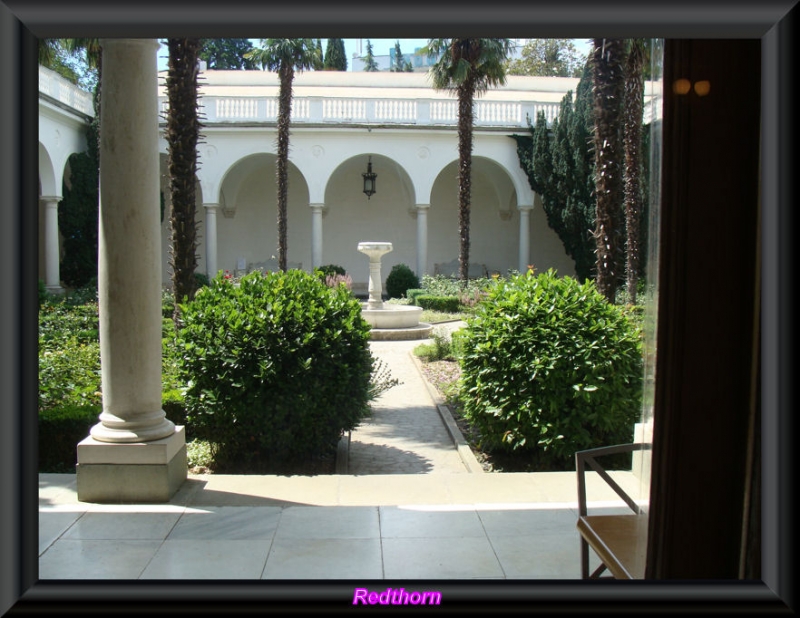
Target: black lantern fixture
[[369, 179]]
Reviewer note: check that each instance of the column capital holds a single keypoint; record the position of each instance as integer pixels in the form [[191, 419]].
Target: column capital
[[214, 206], [524, 207], [50, 199], [422, 206]]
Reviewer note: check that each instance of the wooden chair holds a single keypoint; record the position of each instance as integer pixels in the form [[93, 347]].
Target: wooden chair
[[620, 541]]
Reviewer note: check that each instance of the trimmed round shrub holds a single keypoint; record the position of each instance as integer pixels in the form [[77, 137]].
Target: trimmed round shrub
[[277, 368], [330, 269], [550, 367], [400, 279]]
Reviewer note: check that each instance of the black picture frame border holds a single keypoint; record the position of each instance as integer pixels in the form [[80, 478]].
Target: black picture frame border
[[21, 22]]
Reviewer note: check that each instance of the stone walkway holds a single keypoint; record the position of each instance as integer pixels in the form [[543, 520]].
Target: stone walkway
[[407, 432]]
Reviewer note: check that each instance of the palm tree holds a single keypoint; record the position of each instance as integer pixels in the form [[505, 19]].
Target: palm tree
[[632, 137], [468, 67], [182, 133], [284, 56], [608, 57]]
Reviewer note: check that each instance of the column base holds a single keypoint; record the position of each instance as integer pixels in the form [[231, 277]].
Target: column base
[[131, 473]]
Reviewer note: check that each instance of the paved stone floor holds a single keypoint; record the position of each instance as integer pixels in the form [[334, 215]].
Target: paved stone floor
[[406, 433]]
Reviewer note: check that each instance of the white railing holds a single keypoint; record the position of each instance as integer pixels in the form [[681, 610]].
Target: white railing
[[418, 112], [59, 89]]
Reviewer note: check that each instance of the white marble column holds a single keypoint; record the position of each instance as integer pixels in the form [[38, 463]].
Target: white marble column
[[134, 453], [211, 239], [422, 238], [52, 273], [316, 234], [524, 236]]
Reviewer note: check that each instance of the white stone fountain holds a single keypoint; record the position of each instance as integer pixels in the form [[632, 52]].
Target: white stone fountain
[[388, 321]]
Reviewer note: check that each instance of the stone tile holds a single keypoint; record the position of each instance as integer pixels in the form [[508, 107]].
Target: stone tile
[[95, 559], [124, 526], [208, 559], [228, 522], [343, 522], [52, 524], [324, 559], [439, 558], [527, 522], [539, 556], [399, 522]]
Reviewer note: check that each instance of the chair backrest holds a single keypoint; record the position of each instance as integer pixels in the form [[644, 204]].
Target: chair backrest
[[589, 458]]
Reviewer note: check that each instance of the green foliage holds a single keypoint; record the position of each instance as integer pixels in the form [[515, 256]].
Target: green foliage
[[549, 367], [439, 348], [201, 279], [548, 58], [370, 64], [69, 354], [43, 293], [277, 367], [400, 279], [559, 163], [199, 453], [226, 54], [330, 269], [412, 293], [446, 304], [335, 56], [78, 215], [60, 429]]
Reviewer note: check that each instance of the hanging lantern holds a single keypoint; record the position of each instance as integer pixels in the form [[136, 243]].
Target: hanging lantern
[[369, 179]]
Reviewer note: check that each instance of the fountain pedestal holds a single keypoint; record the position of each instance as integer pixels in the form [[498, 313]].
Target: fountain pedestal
[[388, 322], [375, 250]]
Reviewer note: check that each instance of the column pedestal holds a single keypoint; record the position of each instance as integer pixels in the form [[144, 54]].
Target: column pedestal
[[132, 472]]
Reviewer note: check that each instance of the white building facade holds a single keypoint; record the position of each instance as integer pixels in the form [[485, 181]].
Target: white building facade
[[340, 121]]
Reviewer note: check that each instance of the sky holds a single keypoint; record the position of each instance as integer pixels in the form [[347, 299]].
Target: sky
[[380, 47]]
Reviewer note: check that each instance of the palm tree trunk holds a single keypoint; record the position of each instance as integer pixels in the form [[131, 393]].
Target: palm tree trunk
[[634, 103], [608, 58], [284, 117], [182, 132], [466, 95]]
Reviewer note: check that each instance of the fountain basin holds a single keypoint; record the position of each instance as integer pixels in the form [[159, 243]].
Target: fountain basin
[[395, 322]]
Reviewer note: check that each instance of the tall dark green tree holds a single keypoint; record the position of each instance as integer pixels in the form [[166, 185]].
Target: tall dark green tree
[[226, 54], [559, 164], [78, 213], [335, 56], [400, 64], [608, 58], [319, 57], [370, 64], [182, 133], [284, 56], [467, 67], [632, 178]]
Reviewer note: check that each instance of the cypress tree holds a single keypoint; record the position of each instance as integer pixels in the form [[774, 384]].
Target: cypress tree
[[335, 57], [560, 168], [78, 212]]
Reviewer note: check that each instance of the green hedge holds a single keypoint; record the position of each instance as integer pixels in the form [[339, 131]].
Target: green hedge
[[277, 367], [550, 367], [412, 293], [446, 304], [60, 430]]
